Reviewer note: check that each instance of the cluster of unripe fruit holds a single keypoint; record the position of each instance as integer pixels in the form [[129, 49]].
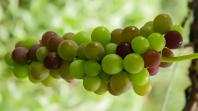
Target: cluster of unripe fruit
[[106, 61]]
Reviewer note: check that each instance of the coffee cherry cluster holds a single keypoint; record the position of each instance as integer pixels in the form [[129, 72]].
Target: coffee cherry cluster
[[114, 61]]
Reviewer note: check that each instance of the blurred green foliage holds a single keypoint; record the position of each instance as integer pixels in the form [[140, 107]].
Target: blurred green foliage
[[25, 19]]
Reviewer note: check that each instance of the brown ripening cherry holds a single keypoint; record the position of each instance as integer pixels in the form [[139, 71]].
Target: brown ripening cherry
[[19, 55], [52, 61]]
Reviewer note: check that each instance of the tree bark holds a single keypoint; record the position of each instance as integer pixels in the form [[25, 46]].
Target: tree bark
[[192, 91]]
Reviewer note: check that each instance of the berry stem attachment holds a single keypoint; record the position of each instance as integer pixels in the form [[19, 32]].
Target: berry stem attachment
[[179, 58]]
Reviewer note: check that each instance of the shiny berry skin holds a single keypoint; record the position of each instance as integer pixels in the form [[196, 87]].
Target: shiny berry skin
[[173, 39], [153, 70], [19, 55], [151, 58], [166, 52], [32, 52], [130, 32], [47, 36], [53, 43], [52, 61], [123, 49]]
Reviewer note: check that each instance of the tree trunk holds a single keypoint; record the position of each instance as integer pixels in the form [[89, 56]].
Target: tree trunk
[[192, 91]]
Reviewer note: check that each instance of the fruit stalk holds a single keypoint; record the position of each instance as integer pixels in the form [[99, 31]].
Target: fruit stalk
[[180, 58]]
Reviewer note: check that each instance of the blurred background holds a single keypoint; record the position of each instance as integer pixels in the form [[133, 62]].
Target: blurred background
[[22, 19]]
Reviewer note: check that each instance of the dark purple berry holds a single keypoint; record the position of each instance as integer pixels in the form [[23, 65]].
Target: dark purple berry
[[52, 61], [32, 52], [173, 39], [123, 49], [166, 52]]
